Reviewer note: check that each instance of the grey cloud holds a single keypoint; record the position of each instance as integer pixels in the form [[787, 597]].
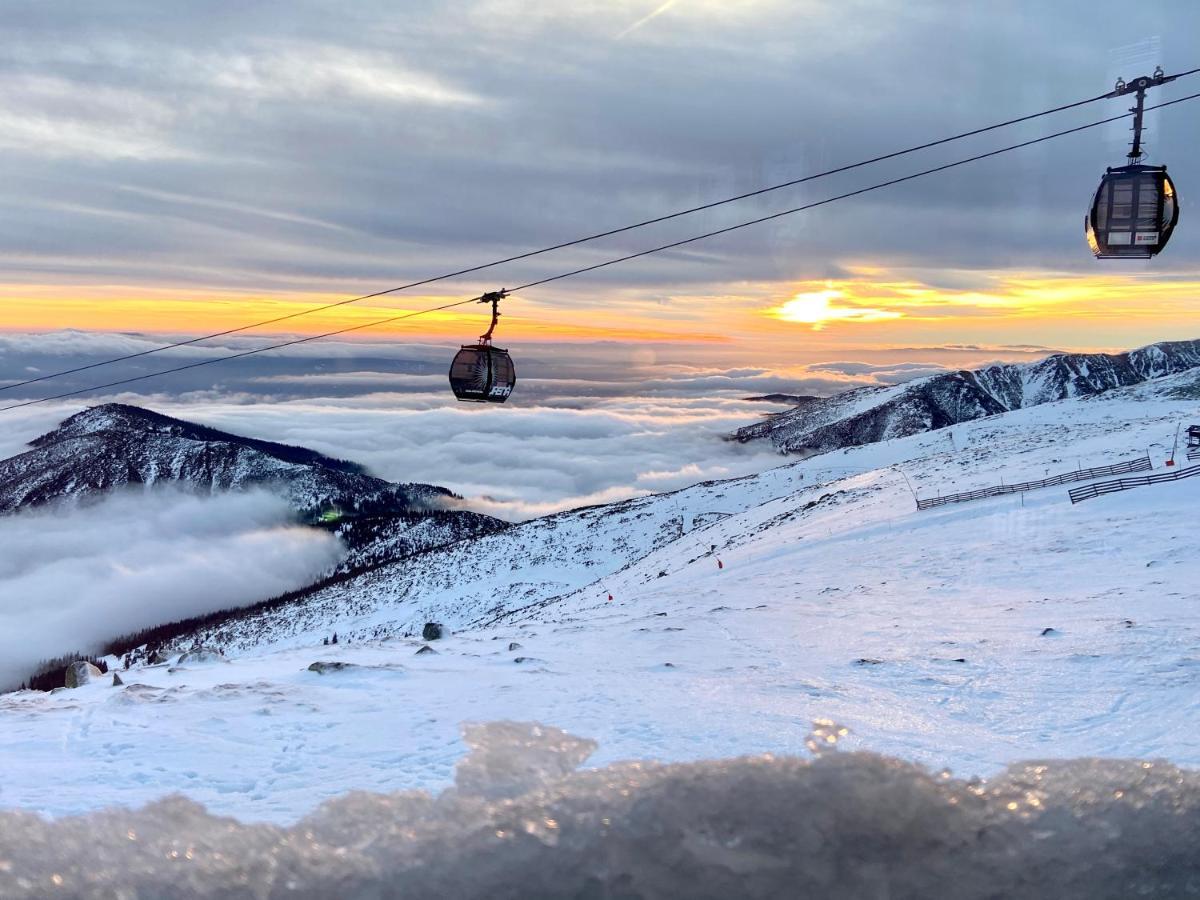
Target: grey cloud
[[895, 373], [339, 149]]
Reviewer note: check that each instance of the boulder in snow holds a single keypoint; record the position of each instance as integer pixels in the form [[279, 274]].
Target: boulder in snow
[[202, 655], [433, 631], [80, 673], [322, 667]]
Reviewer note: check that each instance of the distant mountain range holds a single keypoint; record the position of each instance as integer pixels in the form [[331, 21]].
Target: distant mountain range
[[867, 415], [115, 446]]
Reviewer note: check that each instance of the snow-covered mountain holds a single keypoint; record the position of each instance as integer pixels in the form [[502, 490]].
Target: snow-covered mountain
[[964, 636], [866, 415], [486, 578], [512, 574], [115, 446]]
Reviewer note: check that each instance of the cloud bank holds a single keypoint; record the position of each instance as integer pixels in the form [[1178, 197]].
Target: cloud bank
[[73, 578], [589, 422]]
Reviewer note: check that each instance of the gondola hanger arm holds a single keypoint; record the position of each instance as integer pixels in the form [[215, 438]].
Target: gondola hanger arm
[[1141, 83], [494, 298]]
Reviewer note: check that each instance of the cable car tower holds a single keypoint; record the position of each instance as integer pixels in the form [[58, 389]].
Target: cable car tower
[[1136, 207], [480, 372]]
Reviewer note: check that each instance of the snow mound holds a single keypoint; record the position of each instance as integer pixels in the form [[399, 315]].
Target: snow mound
[[850, 825]]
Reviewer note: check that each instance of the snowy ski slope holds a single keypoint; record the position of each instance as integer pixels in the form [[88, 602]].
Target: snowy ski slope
[[966, 636]]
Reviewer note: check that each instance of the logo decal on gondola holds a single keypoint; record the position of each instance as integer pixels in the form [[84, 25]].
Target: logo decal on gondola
[[1146, 237]]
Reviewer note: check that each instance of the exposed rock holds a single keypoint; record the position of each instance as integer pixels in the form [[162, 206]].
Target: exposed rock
[[514, 646], [80, 673], [202, 655], [323, 666], [426, 649], [1049, 631], [868, 661], [117, 682], [432, 631]]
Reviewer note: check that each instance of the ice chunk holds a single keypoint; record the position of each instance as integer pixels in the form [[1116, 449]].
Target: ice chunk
[[846, 825], [508, 759]]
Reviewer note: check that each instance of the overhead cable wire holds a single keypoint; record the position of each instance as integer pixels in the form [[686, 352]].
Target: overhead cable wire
[[611, 262], [242, 354], [572, 243], [834, 199]]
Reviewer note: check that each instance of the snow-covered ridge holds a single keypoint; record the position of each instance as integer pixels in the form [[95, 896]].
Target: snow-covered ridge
[[114, 446], [867, 415], [544, 566]]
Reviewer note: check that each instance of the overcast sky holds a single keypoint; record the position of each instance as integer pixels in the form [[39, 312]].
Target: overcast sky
[[158, 152]]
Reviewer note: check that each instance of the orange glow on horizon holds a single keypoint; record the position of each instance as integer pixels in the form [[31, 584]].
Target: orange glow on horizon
[[871, 308]]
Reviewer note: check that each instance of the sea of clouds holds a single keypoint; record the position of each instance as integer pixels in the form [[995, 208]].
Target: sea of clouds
[[74, 577], [588, 423]]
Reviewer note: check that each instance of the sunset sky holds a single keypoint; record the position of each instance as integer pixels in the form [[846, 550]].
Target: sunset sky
[[182, 169]]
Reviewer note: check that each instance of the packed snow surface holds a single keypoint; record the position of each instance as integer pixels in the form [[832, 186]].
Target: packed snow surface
[[520, 822], [968, 637]]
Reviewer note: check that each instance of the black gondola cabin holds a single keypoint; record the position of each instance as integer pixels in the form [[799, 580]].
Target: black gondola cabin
[[482, 373], [1133, 213]]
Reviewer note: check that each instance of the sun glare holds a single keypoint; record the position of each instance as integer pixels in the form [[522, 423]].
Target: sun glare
[[818, 308]]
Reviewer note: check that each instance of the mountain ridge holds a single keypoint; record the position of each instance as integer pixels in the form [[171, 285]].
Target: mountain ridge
[[871, 414], [117, 445]]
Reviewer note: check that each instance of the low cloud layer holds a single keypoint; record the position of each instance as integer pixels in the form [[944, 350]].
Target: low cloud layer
[[72, 578], [525, 461], [589, 422]]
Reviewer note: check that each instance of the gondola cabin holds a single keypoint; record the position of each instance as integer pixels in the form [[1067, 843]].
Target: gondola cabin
[[1133, 213], [482, 373]]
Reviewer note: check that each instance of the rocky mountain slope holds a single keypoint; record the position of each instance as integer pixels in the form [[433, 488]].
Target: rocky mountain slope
[[115, 446], [867, 415], [585, 553]]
